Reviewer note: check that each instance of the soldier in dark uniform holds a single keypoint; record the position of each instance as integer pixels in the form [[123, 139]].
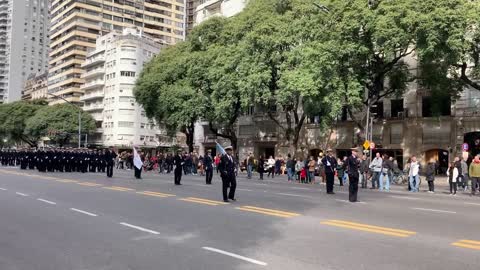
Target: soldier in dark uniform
[[353, 163], [102, 162], [208, 163], [32, 156], [227, 170], [110, 157], [41, 162], [330, 164], [22, 157], [178, 162]]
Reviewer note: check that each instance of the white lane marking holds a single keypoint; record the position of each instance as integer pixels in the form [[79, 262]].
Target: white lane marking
[[258, 184], [294, 195], [244, 189], [477, 204], [435, 210], [235, 256], [346, 201], [4, 189], [138, 228], [405, 198], [302, 188], [46, 201], [83, 212], [21, 194]]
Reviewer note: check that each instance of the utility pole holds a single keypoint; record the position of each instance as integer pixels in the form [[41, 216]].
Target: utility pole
[[79, 118]]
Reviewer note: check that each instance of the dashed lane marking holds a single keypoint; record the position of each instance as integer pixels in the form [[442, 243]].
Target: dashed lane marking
[[236, 256], [294, 195], [84, 212], [89, 184], [434, 210], [21, 194], [476, 204], [202, 201], [467, 244], [118, 188], [46, 201], [267, 211], [66, 181], [346, 201], [368, 228], [138, 228], [4, 189], [155, 194], [405, 198]]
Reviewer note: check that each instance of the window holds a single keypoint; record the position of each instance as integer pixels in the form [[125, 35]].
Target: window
[[125, 124], [396, 108], [436, 106], [377, 110], [127, 73]]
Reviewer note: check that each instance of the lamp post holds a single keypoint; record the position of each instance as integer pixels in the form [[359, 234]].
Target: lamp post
[[79, 117]]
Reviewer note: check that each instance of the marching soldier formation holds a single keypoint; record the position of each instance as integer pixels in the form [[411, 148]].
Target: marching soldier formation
[[58, 159]]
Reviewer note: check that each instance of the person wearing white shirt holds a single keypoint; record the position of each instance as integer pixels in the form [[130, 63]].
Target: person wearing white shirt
[[452, 174], [413, 174], [376, 167], [271, 167]]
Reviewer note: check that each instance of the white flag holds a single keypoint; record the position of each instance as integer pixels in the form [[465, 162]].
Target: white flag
[[137, 161]]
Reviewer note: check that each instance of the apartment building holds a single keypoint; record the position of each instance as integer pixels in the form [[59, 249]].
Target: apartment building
[[110, 73], [36, 87], [23, 44], [76, 25], [205, 9]]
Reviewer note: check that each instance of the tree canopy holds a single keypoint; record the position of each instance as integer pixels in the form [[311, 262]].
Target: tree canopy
[[311, 58], [59, 123]]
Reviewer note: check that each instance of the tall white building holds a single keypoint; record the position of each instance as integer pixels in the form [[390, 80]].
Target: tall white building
[[227, 8], [110, 73], [23, 44]]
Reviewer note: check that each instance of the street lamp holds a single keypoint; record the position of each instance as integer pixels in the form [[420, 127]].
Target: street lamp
[[79, 117]]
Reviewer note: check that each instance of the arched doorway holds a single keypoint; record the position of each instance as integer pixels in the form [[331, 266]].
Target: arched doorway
[[314, 153], [473, 140], [441, 157]]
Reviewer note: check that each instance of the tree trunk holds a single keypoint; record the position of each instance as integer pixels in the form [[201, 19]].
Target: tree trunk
[[189, 132]]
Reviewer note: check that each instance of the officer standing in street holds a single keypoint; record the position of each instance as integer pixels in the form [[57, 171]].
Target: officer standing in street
[[227, 172], [208, 163], [110, 157], [178, 162], [330, 164], [353, 163]]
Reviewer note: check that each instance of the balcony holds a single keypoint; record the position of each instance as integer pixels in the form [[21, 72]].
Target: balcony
[[210, 139], [93, 84], [100, 71], [100, 59], [92, 95], [93, 107]]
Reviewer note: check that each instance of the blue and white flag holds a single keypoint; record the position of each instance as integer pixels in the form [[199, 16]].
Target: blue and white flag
[[220, 149], [137, 160]]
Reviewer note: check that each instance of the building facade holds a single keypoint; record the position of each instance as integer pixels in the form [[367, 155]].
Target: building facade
[[23, 44], [76, 25], [205, 9], [36, 87], [111, 70]]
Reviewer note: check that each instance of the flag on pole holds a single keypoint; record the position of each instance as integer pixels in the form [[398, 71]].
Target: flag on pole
[[137, 161], [220, 149]]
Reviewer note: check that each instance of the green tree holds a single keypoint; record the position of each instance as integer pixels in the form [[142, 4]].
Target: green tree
[[13, 119], [59, 122]]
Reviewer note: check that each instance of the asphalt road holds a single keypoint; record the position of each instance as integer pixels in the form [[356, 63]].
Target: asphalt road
[[63, 221]]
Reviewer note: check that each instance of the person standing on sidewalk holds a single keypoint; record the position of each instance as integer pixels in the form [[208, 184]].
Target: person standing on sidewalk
[[261, 167], [414, 174], [465, 176], [430, 175], [249, 165], [452, 174], [290, 168], [364, 171], [474, 173], [311, 170], [330, 164], [376, 167], [387, 167]]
